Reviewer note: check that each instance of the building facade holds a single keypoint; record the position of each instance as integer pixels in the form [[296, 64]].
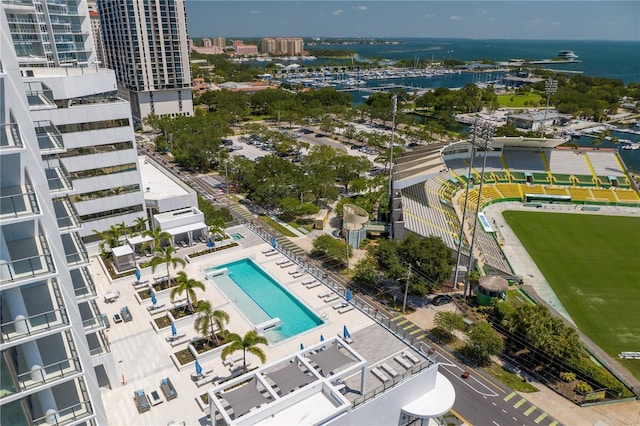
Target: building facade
[[96, 30], [54, 355], [283, 45], [49, 33], [148, 48]]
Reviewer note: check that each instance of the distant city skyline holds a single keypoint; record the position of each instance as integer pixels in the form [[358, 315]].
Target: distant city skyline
[[534, 20]]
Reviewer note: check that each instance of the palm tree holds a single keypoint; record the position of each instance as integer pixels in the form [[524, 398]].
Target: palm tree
[[141, 224], [248, 343], [157, 235], [186, 285], [209, 320], [168, 257], [217, 226]]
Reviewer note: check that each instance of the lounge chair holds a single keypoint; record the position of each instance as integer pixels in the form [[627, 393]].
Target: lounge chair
[[389, 370], [294, 272], [403, 362], [314, 284], [379, 374], [332, 298], [168, 390], [297, 274], [178, 336], [325, 294], [282, 262], [273, 253], [308, 282], [411, 357], [287, 265], [125, 314], [142, 402], [271, 250], [345, 309], [155, 307]]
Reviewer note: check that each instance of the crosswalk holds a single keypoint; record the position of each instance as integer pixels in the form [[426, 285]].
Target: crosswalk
[[531, 410], [528, 409]]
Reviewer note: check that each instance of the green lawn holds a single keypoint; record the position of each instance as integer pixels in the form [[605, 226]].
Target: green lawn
[[517, 100], [591, 262]]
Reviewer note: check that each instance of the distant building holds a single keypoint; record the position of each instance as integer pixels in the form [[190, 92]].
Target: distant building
[[147, 46], [283, 45], [244, 49], [96, 29], [218, 42], [206, 42], [246, 87], [536, 120]]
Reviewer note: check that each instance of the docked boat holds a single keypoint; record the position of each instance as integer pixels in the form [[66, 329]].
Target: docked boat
[[567, 54]]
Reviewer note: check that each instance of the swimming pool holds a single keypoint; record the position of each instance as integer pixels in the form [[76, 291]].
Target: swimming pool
[[260, 299]]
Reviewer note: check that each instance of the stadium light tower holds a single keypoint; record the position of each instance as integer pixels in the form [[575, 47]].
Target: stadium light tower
[[478, 129], [487, 130], [550, 87], [394, 109]]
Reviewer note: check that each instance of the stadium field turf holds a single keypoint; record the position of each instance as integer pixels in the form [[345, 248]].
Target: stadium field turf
[[591, 262]]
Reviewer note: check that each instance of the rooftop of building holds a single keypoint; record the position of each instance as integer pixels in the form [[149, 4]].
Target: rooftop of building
[[143, 357], [157, 184]]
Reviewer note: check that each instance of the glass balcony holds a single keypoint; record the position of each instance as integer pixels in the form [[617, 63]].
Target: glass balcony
[[67, 415], [83, 284], [40, 97], [91, 316], [57, 176], [34, 324], [66, 215], [74, 249], [27, 258], [49, 373], [98, 344], [49, 137], [10, 136], [29, 267], [18, 201]]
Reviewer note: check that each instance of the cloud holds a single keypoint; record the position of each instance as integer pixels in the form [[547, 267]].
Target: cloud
[[484, 12], [337, 12], [455, 18], [360, 7], [254, 12], [430, 15]]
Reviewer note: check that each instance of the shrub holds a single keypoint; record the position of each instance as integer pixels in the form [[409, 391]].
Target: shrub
[[583, 387], [568, 377]]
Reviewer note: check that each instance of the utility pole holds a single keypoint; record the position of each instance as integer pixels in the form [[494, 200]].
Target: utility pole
[[406, 291], [346, 240]]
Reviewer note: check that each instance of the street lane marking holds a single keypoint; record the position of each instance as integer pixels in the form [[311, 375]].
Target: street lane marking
[[530, 410], [397, 318], [422, 336], [504, 411], [459, 417], [494, 404], [553, 423], [402, 322], [416, 331], [495, 423], [519, 403], [540, 417], [511, 395]]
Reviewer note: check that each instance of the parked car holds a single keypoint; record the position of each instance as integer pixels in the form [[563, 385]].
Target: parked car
[[441, 299]]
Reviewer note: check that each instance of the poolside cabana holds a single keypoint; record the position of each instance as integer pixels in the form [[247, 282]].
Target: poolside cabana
[[290, 378], [244, 398], [137, 242], [123, 258], [330, 360]]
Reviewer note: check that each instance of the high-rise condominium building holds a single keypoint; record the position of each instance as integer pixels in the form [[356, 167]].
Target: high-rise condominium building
[[50, 32], [54, 355], [283, 45], [147, 46], [218, 42], [96, 30]]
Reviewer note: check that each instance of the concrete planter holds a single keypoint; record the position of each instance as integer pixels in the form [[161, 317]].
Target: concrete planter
[[208, 355]]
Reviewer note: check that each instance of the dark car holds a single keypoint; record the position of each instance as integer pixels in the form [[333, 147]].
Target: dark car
[[320, 135], [441, 299]]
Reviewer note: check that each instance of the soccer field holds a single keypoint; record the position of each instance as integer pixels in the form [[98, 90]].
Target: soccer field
[[591, 262]]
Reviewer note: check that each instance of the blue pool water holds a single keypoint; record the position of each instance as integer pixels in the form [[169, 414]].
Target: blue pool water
[[260, 299]]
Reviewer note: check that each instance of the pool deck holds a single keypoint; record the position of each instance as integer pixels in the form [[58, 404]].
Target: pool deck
[[142, 356]]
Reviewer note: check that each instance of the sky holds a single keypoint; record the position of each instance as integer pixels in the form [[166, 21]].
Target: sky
[[515, 19]]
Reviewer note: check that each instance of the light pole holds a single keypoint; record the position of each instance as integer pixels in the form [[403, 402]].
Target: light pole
[[487, 132], [394, 109], [466, 197], [406, 291], [550, 86]]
